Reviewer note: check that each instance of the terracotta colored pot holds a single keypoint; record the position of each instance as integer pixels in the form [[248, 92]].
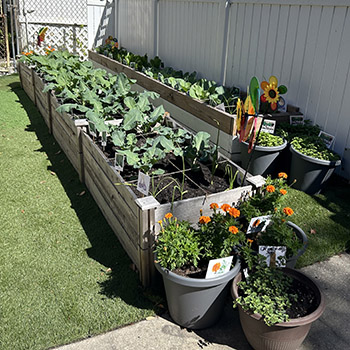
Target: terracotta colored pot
[[281, 336]]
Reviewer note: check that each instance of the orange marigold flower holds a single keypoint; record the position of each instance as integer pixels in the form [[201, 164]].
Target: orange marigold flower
[[282, 175], [168, 215], [160, 222], [270, 188], [204, 219], [288, 211], [225, 207], [216, 267], [214, 206], [233, 229], [282, 191], [234, 212], [250, 241]]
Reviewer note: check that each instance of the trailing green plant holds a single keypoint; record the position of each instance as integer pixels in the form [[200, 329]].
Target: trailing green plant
[[267, 291], [288, 131], [269, 140], [314, 147]]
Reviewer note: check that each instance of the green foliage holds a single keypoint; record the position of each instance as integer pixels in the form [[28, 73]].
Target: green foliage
[[267, 291], [269, 140], [288, 131], [314, 147]]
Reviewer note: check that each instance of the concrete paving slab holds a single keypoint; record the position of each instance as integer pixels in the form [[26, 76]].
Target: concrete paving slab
[[331, 331]]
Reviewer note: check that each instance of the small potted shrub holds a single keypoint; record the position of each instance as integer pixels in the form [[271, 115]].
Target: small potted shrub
[[267, 149], [271, 201], [182, 255], [312, 163], [276, 306]]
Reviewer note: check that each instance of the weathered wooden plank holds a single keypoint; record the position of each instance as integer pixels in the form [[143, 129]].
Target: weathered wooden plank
[[188, 209], [28, 82], [42, 100], [199, 109], [116, 202], [103, 163], [118, 229]]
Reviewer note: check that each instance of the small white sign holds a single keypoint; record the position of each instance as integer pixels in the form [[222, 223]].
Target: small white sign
[[104, 138], [296, 119], [219, 267], [221, 107], [143, 182], [275, 255], [327, 138], [269, 126], [92, 129], [119, 160], [258, 224]]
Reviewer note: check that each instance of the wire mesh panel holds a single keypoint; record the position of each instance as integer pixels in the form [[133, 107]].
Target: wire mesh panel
[[4, 53], [66, 21]]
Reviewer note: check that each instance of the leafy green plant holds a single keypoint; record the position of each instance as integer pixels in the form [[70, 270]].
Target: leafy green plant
[[267, 291], [269, 140], [314, 147], [288, 131]]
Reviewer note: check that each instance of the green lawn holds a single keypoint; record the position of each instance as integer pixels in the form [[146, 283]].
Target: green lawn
[[56, 247]]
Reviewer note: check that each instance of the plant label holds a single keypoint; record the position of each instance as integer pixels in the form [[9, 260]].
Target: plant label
[[296, 120], [269, 126], [104, 138], [258, 224], [218, 267], [246, 273], [282, 104], [275, 255], [221, 107], [92, 129], [327, 139], [119, 160], [143, 182]]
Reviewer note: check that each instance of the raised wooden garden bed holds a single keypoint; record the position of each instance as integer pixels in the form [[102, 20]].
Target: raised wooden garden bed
[[27, 80]]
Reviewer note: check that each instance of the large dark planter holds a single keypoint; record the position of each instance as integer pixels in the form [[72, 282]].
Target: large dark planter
[[196, 303], [311, 173], [291, 262], [281, 336], [263, 159]]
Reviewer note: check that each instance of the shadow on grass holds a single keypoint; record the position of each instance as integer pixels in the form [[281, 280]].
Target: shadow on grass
[[105, 248]]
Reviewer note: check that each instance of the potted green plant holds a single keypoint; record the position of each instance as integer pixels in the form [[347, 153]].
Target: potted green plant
[[276, 306], [270, 204], [267, 149], [182, 255], [312, 163]]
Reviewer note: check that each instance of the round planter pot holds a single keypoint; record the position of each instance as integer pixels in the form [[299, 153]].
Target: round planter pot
[[311, 173], [196, 303], [281, 336], [263, 158], [302, 236]]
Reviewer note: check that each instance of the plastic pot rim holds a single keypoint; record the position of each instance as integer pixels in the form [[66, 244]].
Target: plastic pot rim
[[268, 149]]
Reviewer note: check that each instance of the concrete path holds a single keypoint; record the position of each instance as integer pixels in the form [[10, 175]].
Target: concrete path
[[331, 331]]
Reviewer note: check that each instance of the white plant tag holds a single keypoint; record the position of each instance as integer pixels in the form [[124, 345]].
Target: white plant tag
[[104, 138], [328, 139], [275, 255], [269, 126], [296, 120], [245, 273], [92, 129], [221, 107], [258, 224], [218, 267], [143, 182], [119, 160]]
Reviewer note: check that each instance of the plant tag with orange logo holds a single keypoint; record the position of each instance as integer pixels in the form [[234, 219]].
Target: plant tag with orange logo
[[258, 224], [218, 267]]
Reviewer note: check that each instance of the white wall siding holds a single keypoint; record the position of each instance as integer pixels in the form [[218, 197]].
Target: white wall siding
[[305, 43]]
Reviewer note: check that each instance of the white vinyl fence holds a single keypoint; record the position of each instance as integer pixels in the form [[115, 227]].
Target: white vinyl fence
[[305, 43]]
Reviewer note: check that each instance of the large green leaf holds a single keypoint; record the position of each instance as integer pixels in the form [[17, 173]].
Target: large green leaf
[[131, 119], [130, 102], [201, 140], [118, 138], [132, 158]]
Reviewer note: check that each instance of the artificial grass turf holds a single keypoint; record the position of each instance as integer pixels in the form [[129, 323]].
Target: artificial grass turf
[[63, 274]]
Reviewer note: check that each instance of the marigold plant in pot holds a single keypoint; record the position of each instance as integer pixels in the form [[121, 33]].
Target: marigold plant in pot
[[276, 306], [182, 255], [312, 163], [264, 156]]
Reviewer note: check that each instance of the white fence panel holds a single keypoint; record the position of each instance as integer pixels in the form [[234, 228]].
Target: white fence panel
[[191, 36], [136, 25]]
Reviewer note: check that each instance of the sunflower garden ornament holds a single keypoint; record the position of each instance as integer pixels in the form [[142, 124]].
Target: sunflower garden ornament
[[272, 94]]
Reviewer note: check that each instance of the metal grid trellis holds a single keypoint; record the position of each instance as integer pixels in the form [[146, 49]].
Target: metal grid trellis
[[66, 21], [4, 48]]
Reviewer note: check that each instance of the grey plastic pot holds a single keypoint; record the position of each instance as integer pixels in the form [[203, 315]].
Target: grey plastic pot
[[196, 303], [263, 158], [291, 262], [311, 173], [281, 336]]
